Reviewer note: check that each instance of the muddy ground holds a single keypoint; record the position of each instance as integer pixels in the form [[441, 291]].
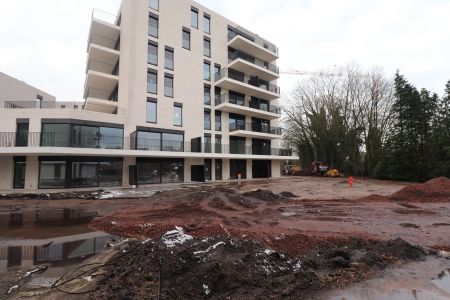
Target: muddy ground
[[286, 238]]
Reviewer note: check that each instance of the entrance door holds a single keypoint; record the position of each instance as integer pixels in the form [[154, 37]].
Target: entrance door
[[19, 174], [262, 169], [218, 169], [208, 171], [237, 167], [198, 173]]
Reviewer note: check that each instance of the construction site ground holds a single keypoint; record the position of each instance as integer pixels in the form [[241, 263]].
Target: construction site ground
[[289, 238]]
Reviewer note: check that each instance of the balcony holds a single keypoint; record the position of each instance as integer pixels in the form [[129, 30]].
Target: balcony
[[230, 104], [248, 64], [237, 81], [118, 143], [101, 91], [42, 105], [240, 39], [104, 31], [255, 130]]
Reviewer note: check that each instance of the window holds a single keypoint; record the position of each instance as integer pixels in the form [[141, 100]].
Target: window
[[186, 39], [150, 141], [172, 142], [151, 111], [52, 174], [152, 81], [218, 121], [177, 115], [153, 54], [218, 95], [207, 70], [207, 143], [168, 85], [236, 98], [237, 145], [236, 122], [194, 17], [169, 58], [20, 166], [207, 120], [218, 144], [207, 47], [207, 95], [207, 24], [153, 26], [154, 4], [216, 72]]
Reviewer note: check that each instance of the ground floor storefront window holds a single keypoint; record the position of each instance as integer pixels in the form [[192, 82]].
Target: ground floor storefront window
[[154, 171], [238, 166], [71, 172], [262, 169]]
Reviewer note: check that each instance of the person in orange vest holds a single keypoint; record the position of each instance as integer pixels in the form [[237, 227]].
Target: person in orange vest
[[350, 181]]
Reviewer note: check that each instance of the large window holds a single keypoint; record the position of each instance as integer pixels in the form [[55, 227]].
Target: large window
[[218, 144], [55, 135], [155, 171], [153, 26], [207, 95], [168, 85], [206, 70], [186, 39], [20, 166], [81, 172], [52, 174], [218, 121], [153, 54], [207, 143], [152, 81], [173, 142], [194, 17], [152, 111], [150, 141], [238, 168], [177, 115], [236, 122], [157, 141], [237, 145], [207, 120], [216, 71], [237, 98], [81, 136], [207, 24], [207, 47], [154, 4], [169, 58]]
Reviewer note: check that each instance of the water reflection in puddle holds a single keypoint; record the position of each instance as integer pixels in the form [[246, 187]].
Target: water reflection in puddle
[[44, 223], [443, 280]]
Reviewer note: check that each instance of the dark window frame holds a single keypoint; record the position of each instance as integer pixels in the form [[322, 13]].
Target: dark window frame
[[186, 31], [153, 72], [169, 50], [154, 17], [151, 100], [194, 11], [180, 106], [169, 76]]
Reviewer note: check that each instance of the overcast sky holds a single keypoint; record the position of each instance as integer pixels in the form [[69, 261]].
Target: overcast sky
[[43, 42]]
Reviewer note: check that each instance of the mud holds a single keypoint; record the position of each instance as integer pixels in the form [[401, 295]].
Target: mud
[[230, 268]]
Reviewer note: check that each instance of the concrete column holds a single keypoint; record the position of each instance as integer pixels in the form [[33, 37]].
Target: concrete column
[[276, 168], [127, 162], [249, 169], [3, 258], [32, 173], [7, 172], [226, 169]]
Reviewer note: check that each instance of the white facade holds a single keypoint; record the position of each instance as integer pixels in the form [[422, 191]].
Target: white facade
[[125, 55]]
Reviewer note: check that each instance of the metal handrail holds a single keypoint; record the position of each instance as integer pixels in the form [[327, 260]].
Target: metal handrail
[[256, 127], [249, 58], [57, 139], [225, 98], [252, 38], [42, 104], [224, 73]]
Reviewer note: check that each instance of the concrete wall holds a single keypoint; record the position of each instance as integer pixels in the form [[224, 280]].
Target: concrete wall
[[12, 89]]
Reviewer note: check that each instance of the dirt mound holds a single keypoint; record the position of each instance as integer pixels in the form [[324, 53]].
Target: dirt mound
[[264, 195], [288, 194], [229, 268], [435, 190]]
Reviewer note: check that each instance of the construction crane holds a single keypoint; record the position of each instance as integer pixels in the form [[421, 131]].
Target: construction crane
[[308, 73]]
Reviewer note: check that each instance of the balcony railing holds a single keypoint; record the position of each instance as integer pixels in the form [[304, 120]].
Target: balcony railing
[[256, 127], [227, 98], [53, 139], [229, 73], [242, 55], [253, 38], [41, 105]]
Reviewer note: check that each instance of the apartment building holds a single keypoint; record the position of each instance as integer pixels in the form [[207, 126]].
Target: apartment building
[[174, 92]]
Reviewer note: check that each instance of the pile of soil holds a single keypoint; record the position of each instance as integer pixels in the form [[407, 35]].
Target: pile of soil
[[435, 190], [230, 268]]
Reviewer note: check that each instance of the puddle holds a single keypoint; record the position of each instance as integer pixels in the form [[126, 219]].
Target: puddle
[[415, 281], [43, 223], [443, 280]]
